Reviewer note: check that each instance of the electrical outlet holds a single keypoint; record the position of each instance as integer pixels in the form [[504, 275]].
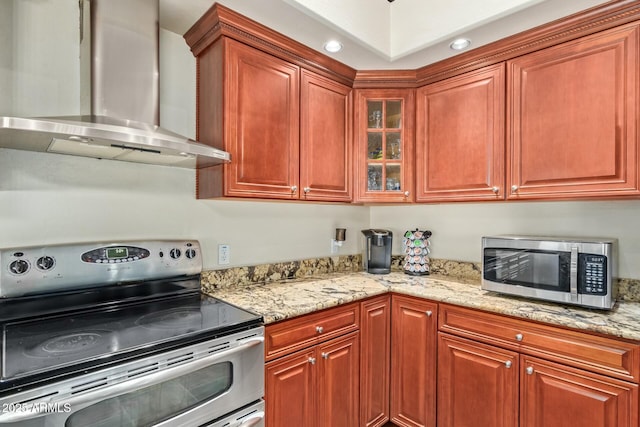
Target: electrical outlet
[[224, 254]]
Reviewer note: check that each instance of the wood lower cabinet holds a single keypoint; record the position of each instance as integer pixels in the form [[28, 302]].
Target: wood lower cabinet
[[553, 395], [573, 118], [290, 391], [477, 384], [375, 345], [338, 400], [318, 387], [460, 140], [413, 361]]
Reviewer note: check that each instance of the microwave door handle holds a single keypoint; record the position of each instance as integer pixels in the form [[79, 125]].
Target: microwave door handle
[[130, 385], [573, 274]]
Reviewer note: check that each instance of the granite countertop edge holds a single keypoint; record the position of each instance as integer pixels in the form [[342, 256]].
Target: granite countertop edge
[[283, 300]]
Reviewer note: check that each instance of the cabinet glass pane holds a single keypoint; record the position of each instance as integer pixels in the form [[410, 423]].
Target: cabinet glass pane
[[394, 179], [374, 111], [374, 177], [393, 145], [394, 115], [374, 145]]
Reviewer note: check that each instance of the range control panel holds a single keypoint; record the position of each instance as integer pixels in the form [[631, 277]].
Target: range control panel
[[45, 269]]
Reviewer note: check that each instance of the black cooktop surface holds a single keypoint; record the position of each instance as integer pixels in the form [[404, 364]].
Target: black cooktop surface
[[67, 331]]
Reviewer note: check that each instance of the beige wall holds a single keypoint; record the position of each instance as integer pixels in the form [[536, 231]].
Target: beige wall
[[457, 228]]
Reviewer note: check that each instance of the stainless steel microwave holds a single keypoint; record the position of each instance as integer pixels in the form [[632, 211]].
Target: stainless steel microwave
[[567, 270]]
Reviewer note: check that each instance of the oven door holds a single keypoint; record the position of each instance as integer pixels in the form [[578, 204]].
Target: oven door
[[186, 387]]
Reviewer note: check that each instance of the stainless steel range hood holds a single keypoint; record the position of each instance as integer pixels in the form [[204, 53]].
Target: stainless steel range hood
[[120, 61]]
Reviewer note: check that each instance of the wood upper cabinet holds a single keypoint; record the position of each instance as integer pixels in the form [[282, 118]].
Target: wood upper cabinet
[[477, 384], [460, 137], [384, 135], [556, 396], [413, 362], [573, 118], [288, 130], [375, 345], [325, 139]]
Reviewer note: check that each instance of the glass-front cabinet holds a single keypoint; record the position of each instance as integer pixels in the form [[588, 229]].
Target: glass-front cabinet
[[384, 132]]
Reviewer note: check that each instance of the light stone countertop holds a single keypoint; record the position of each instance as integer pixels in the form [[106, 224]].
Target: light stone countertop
[[283, 300]]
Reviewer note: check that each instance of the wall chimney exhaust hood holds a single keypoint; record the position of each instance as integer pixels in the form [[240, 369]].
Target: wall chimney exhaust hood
[[120, 64]]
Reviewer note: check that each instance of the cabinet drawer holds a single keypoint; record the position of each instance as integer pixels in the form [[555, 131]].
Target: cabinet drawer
[[616, 358], [301, 332]]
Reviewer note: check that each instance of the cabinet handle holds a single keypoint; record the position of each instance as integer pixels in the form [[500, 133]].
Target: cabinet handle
[[294, 188], [507, 363], [325, 355], [312, 360], [529, 370], [429, 313], [319, 329], [514, 188], [406, 194], [496, 190], [306, 189], [519, 337]]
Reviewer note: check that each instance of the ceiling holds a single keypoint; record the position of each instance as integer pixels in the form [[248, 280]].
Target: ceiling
[[377, 34]]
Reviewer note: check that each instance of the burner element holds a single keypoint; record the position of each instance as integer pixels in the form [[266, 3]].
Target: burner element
[[176, 318], [63, 345]]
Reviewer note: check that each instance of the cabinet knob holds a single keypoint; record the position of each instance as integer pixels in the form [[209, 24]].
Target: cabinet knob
[[429, 313], [294, 188], [325, 355], [496, 190], [319, 329], [306, 189], [312, 360], [406, 194], [529, 370], [507, 363], [514, 188], [519, 337]]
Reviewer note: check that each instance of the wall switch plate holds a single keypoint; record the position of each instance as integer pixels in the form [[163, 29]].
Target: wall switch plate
[[224, 254]]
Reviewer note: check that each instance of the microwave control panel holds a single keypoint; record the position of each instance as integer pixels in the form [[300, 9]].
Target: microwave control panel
[[592, 277]]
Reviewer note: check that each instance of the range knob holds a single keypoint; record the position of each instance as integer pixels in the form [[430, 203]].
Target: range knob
[[190, 253], [175, 253], [19, 266], [45, 263]]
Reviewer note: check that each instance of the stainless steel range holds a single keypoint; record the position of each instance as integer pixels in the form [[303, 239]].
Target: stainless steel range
[[119, 334]]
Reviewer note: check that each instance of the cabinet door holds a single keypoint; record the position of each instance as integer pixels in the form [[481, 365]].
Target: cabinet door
[[375, 334], [477, 384], [384, 123], [554, 395], [413, 362], [574, 115], [261, 124], [460, 137], [338, 382], [290, 390], [325, 139]]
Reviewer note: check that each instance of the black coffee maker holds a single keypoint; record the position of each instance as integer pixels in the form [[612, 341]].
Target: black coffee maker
[[377, 251]]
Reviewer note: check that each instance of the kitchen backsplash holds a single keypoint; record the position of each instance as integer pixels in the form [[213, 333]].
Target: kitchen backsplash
[[628, 289]]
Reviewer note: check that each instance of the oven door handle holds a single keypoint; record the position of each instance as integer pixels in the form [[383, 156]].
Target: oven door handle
[[252, 420], [39, 408]]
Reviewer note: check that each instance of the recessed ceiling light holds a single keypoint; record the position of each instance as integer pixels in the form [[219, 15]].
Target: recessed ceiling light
[[333, 46], [460, 44]]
